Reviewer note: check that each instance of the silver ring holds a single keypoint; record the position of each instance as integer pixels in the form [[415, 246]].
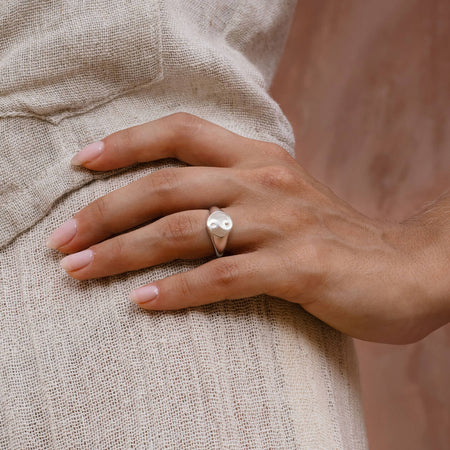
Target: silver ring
[[218, 225]]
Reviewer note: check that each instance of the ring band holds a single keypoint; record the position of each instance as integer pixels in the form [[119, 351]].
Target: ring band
[[218, 225]]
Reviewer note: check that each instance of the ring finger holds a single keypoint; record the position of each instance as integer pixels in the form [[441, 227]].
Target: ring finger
[[181, 235], [163, 192]]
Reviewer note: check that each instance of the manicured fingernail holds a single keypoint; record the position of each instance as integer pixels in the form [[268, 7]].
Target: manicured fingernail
[[144, 294], [62, 235], [77, 261], [88, 153]]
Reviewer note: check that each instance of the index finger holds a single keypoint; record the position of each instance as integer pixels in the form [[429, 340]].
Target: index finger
[[182, 136]]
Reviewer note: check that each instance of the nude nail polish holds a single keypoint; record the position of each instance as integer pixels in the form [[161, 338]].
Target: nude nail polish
[[88, 153], [77, 261], [62, 235], [144, 294]]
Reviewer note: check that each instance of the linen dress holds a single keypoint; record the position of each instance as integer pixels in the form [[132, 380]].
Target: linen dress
[[80, 365]]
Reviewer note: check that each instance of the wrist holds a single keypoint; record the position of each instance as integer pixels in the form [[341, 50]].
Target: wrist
[[428, 249], [433, 260], [421, 288]]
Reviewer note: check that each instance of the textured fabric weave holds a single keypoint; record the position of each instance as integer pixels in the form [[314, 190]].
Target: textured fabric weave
[[82, 367]]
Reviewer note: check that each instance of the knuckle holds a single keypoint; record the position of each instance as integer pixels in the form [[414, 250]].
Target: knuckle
[[164, 181], [109, 251], [278, 153], [178, 228], [225, 273], [99, 209], [121, 139], [277, 176], [185, 124], [127, 137], [185, 286], [117, 250]]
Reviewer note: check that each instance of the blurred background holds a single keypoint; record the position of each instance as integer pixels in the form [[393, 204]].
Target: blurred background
[[366, 86]]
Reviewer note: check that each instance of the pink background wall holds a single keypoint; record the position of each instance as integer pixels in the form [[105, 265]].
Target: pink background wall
[[366, 87]]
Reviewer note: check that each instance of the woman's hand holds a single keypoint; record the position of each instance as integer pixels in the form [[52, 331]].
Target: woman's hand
[[292, 237]]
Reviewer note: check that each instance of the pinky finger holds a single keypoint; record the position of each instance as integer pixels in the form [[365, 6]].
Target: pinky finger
[[230, 277]]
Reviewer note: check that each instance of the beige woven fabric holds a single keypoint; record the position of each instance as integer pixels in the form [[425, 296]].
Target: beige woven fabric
[[81, 367]]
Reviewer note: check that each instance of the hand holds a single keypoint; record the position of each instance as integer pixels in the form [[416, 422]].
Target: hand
[[292, 237]]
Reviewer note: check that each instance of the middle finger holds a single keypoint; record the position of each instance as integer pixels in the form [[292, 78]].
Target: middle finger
[[161, 193]]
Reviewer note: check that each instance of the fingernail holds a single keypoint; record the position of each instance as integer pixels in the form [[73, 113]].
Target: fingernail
[[77, 260], [62, 235], [144, 294], [88, 153]]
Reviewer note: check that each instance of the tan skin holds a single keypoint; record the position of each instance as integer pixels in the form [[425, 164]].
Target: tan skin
[[292, 237]]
